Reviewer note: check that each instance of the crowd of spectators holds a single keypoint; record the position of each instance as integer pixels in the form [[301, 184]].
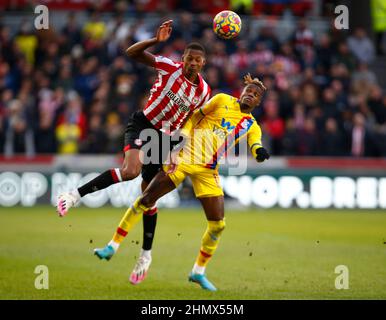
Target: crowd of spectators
[[72, 90]]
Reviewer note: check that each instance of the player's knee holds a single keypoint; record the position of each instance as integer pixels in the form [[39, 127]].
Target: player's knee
[[129, 173], [147, 200], [217, 227]]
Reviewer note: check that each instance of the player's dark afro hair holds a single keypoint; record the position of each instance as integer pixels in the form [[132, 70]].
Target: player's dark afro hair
[[249, 80], [196, 46]]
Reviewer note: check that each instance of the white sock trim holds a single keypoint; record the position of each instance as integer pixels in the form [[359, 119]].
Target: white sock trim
[[146, 253], [198, 269], [114, 244], [118, 172], [76, 193]]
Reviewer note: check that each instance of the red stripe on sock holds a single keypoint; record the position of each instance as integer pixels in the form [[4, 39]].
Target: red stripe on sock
[[206, 255], [128, 147], [151, 211], [114, 175], [121, 232]]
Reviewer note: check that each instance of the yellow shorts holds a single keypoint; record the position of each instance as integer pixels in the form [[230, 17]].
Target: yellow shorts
[[206, 182]]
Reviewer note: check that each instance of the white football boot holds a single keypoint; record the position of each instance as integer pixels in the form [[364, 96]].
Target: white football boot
[[66, 201], [140, 270]]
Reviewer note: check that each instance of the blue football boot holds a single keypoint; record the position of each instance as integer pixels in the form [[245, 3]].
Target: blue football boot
[[104, 253], [202, 281]]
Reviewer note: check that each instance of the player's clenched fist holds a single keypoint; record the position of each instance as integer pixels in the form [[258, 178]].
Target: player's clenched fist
[[262, 154], [164, 31]]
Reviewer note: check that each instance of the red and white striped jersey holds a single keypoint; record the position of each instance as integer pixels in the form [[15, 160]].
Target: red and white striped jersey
[[173, 98]]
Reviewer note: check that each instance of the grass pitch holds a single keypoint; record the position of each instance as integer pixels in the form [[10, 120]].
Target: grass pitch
[[263, 254]]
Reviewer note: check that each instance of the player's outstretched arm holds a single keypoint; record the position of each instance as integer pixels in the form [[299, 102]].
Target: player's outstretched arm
[[138, 50]]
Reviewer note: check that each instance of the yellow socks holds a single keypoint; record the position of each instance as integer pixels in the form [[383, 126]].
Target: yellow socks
[[129, 220], [209, 245]]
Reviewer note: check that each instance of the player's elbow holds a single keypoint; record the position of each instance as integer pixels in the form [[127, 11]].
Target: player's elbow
[[130, 53], [133, 52]]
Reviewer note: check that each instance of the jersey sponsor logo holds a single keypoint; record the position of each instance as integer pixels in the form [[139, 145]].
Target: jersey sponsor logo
[[178, 101], [220, 132], [184, 108], [226, 124], [246, 123]]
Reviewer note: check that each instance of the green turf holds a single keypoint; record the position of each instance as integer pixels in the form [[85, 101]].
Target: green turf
[[270, 254]]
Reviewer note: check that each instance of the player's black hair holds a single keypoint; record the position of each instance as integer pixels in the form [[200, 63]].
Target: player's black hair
[[196, 46], [249, 80]]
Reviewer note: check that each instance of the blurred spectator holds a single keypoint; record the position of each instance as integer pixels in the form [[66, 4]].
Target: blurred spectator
[[27, 42], [65, 79], [261, 55], [303, 37], [87, 81], [290, 138], [186, 27], [345, 57], [299, 117], [286, 61], [71, 31], [361, 46], [324, 52], [18, 133], [49, 106], [329, 104], [142, 31], [96, 136], [118, 29], [363, 76], [362, 142], [332, 142], [95, 29], [268, 37], [6, 45], [307, 139], [273, 125], [377, 104], [310, 96], [114, 129], [240, 59], [71, 126]]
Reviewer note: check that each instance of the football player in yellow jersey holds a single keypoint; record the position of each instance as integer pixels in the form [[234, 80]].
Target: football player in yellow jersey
[[217, 126]]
